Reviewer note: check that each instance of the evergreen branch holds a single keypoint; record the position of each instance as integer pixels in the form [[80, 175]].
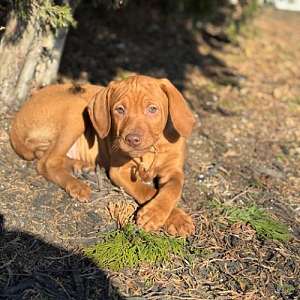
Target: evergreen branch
[[47, 13]]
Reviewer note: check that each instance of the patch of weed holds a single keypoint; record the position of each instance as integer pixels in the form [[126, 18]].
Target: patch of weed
[[232, 32], [236, 27], [280, 157], [297, 100], [229, 105], [294, 104], [212, 87], [265, 226], [129, 247], [287, 289]]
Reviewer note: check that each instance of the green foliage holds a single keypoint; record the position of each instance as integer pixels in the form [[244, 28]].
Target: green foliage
[[250, 9], [48, 14], [294, 104], [232, 31], [265, 226], [129, 247], [287, 289], [235, 27], [56, 16], [22, 8]]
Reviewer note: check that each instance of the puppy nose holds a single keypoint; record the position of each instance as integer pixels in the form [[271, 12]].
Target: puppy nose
[[133, 139]]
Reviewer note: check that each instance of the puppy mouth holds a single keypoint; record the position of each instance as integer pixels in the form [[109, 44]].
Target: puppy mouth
[[135, 151], [138, 153]]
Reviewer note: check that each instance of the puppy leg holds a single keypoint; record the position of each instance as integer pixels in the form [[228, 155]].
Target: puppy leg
[[55, 169], [179, 223], [77, 167], [140, 191], [56, 166], [155, 213]]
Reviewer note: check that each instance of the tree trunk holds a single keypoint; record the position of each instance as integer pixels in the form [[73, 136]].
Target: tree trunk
[[29, 58], [48, 65]]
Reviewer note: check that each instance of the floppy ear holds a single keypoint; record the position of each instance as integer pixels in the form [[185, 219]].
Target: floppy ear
[[181, 115], [99, 112]]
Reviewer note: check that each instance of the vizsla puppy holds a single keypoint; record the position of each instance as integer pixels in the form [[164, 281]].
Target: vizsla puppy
[[135, 128]]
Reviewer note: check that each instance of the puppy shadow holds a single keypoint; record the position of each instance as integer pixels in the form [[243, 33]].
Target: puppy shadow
[[32, 268]]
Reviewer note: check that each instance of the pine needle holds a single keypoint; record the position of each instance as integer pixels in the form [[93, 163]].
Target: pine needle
[[265, 226], [129, 247]]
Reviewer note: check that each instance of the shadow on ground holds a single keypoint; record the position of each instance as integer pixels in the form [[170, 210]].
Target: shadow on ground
[[34, 269], [142, 39]]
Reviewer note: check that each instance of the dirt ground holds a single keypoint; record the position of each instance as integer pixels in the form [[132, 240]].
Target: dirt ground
[[245, 149]]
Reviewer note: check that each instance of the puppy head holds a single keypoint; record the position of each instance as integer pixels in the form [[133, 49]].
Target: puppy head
[[136, 111]]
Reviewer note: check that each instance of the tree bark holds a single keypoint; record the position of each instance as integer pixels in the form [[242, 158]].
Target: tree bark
[[48, 65], [13, 53], [29, 58]]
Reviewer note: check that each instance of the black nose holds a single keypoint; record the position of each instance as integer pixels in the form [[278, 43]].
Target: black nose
[[133, 139]]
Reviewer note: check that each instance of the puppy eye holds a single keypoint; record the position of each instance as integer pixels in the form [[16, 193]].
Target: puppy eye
[[120, 110], [152, 109]]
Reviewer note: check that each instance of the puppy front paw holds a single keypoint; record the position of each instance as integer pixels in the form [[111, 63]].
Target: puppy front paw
[[79, 191], [179, 223], [151, 217]]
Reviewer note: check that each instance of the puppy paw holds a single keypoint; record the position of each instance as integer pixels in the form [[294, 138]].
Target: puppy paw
[[179, 223], [151, 217], [79, 191], [80, 166]]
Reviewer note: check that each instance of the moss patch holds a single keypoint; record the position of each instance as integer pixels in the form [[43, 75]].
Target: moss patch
[[129, 247], [265, 225], [294, 104]]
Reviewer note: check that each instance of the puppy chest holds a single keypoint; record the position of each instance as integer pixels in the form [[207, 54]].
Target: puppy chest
[[144, 168], [85, 150]]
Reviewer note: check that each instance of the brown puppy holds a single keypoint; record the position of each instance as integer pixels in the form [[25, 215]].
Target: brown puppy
[[138, 131]]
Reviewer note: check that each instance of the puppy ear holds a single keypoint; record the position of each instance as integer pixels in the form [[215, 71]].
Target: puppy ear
[[99, 112], [181, 115]]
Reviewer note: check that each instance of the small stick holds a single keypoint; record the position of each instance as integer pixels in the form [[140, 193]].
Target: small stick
[[99, 177]]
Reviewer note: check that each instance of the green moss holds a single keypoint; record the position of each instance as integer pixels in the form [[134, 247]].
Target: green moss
[[296, 101], [280, 157], [230, 106], [47, 13], [232, 31], [56, 16], [265, 226], [212, 87], [294, 104], [250, 9], [22, 9], [236, 27], [130, 247], [287, 289]]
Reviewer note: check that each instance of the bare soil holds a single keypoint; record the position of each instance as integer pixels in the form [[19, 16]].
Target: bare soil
[[245, 149]]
